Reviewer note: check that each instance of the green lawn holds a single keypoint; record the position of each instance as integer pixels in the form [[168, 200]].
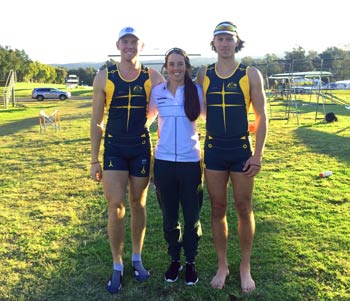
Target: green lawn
[[53, 241]]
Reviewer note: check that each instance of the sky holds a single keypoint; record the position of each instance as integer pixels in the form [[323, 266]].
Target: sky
[[71, 31]]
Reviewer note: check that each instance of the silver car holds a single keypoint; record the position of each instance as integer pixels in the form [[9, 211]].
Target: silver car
[[49, 93]]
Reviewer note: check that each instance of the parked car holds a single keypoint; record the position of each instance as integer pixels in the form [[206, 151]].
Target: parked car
[[50, 93]]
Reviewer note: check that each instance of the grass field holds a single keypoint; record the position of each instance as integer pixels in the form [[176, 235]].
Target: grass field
[[24, 90], [53, 241]]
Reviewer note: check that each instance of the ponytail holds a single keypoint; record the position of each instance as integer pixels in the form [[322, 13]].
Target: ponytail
[[191, 105]]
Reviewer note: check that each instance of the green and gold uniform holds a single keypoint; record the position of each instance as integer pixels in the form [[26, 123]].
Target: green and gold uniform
[[127, 143], [227, 143]]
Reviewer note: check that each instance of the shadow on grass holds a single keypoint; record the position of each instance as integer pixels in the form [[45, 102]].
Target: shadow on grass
[[325, 143], [83, 93], [11, 110], [85, 105], [318, 110], [18, 125], [28, 123]]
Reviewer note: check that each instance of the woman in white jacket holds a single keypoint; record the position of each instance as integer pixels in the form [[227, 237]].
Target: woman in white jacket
[[177, 169]]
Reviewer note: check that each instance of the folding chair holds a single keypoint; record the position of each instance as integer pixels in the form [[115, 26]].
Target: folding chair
[[49, 120]]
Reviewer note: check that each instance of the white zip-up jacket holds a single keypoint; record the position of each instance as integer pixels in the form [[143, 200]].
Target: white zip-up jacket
[[178, 140]]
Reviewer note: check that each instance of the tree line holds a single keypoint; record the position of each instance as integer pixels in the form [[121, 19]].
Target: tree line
[[333, 59], [28, 70]]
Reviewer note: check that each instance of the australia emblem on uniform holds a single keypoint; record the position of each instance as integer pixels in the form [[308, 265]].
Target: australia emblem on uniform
[[231, 86], [137, 90]]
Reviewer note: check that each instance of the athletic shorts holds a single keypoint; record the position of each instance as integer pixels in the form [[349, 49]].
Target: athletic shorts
[[227, 154], [128, 153]]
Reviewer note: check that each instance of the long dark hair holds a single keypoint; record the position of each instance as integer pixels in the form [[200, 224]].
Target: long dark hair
[[191, 103]]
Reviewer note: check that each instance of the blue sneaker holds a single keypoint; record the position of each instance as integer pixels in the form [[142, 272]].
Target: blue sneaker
[[115, 282], [141, 276]]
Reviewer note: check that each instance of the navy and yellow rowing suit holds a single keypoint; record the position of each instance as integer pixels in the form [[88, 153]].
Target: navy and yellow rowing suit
[[227, 143], [127, 143]]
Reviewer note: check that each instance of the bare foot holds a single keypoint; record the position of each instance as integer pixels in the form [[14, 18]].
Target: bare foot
[[247, 282], [218, 280]]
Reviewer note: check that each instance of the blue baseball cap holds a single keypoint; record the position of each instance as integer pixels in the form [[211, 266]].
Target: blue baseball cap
[[128, 31]]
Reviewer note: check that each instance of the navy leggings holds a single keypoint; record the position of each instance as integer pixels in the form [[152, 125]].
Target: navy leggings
[[180, 183]]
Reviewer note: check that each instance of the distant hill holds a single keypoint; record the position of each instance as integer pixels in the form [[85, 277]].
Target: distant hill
[[83, 65], [156, 64]]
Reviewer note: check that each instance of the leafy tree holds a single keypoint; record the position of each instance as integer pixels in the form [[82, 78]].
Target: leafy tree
[[61, 74], [108, 63], [297, 59], [86, 76], [333, 59]]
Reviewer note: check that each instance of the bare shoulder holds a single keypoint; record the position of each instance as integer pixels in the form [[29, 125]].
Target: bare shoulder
[[101, 73], [100, 78], [254, 73], [255, 78], [156, 77], [256, 82]]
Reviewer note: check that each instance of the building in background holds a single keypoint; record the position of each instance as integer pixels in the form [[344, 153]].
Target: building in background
[[72, 81]]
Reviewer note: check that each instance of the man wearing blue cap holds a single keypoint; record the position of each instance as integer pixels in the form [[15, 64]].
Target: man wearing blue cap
[[122, 90]]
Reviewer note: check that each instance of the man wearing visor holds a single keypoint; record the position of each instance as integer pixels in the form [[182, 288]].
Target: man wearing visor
[[230, 90]]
